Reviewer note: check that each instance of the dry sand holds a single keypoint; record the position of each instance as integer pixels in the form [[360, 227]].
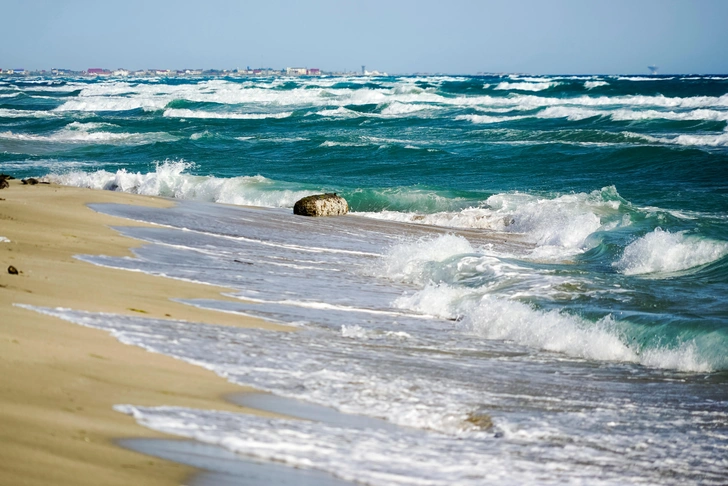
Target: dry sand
[[59, 381]]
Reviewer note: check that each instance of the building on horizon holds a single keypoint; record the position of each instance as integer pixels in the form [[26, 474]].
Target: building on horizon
[[296, 71], [98, 72]]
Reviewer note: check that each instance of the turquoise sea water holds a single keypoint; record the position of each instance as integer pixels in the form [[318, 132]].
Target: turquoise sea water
[[613, 191]]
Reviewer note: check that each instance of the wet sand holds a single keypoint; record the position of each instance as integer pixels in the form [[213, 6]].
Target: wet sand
[[59, 381]]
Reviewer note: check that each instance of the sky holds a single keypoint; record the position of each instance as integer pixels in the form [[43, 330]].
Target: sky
[[394, 36]]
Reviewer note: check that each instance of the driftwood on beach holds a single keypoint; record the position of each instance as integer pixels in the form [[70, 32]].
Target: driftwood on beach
[[329, 204]]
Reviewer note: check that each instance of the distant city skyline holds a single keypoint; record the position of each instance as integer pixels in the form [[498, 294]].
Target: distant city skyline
[[457, 37]]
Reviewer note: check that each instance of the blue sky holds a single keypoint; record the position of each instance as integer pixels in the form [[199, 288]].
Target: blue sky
[[397, 36]]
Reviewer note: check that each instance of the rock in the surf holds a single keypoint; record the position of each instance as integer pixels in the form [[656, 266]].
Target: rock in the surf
[[321, 205], [480, 420]]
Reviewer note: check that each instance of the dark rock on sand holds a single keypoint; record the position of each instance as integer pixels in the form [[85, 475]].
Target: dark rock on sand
[[321, 205], [12, 270]]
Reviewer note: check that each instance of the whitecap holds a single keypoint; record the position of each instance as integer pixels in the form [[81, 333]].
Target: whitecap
[[662, 252], [170, 179], [185, 113], [528, 86], [595, 84]]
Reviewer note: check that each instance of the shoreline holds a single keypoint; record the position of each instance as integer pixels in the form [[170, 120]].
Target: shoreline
[[59, 380]]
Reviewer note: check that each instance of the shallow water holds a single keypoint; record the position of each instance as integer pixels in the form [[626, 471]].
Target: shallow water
[[588, 410], [546, 254]]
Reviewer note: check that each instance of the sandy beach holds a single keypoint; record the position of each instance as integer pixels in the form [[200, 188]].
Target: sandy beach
[[59, 381]]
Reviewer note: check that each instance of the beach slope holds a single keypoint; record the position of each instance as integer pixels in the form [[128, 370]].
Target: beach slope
[[59, 381]]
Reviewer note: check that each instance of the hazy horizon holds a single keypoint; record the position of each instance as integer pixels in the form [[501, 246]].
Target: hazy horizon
[[467, 37]]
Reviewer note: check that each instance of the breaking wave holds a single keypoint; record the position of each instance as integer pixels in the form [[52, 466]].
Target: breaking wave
[[458, 281], [661, 252], [186, 113], [90, 133], [170, 180], [559, 227]]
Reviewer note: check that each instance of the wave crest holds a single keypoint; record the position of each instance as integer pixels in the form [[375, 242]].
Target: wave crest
[[170, 180], [662, 252]]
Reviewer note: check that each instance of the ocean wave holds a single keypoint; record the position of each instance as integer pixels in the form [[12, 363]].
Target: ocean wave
[[10, 113], [575, 113], [170, 180], [112, 104], [595, 84], [397, 108], [643, 78], [719, 140], [332, 143], [487, 119], [459, 282], [532, 102], [186, 113], [340, 112], [400, 98], [527, 86], [560, 227], [90, 133], [46, 164], [663, 252]]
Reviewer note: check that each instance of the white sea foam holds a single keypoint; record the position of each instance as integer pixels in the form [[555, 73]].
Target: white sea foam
[[332, 143], [201, 135], [642, 78], [88, 133], [569, 112], [438, 264], [400, 98], [576, 113], [407, 262], [560, 227], [10, 113], [490, 119], [397, 108], [660, 252], [698, 115], [185, 113], [340, 112], [108, 103], [527, 86], [531, 102], [719, 140], [48, 165], [595, 84], [497, 318], [170, 180]]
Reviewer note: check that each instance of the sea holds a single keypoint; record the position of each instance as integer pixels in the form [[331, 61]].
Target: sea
[[531, 286]]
